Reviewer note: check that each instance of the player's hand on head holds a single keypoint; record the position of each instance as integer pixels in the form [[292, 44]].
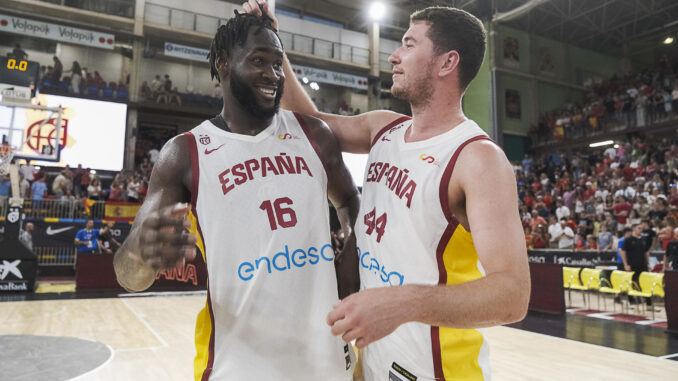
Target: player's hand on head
[[255, 7], [165, 241]]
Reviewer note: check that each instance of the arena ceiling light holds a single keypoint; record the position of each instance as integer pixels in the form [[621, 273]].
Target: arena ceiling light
[[600, 144], [314, 86], [304, 80], [377, 11], [668, 40]]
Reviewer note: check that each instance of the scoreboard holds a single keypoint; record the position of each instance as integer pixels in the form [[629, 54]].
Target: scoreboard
[[19, 72]]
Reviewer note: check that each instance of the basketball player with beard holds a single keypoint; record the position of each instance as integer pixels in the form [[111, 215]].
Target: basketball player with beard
[[440, 243], [257, 179]]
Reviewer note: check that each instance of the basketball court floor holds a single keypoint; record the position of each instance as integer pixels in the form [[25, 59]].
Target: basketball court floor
[[151, 338]]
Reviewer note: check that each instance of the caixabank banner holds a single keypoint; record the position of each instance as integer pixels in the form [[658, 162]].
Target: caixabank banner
[[18, 265], [58, 234]]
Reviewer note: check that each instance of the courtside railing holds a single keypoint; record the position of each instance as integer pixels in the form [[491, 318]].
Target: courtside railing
[[181, 19]]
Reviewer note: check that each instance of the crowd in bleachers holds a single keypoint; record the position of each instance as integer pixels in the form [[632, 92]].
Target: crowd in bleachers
[[161, 90], [634, 100], [80, 81], [74, 184], [585, 202]]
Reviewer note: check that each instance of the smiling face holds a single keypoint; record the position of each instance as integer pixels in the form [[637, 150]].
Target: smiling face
[[256, 77], [413, 64]]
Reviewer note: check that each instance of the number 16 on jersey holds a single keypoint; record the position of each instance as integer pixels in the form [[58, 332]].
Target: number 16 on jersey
[[375, 223]]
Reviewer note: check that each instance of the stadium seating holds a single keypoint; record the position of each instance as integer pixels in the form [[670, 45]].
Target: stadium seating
[[619, 284], [651, 284]]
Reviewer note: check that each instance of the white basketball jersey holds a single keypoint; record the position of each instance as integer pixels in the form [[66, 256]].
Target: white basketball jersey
[[407, 235], [261, 208]]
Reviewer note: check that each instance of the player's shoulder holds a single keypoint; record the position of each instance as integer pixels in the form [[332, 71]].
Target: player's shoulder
[[380, 120], [174, 157], [483, 156]]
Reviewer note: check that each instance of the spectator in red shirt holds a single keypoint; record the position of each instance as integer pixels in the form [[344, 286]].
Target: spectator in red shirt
[[622, 209], [529, 200], [536, 220], [539, 238]]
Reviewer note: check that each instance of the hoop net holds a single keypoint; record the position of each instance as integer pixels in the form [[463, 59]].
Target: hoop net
[[6, 155]]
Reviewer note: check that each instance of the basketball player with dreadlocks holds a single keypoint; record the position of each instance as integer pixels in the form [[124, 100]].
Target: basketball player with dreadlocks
[[257, 179], [442, 251]]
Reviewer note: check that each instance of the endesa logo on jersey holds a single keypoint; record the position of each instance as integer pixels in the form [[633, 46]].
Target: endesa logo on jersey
[[287, 136], [372, 265], [429, 159], [286, 260]]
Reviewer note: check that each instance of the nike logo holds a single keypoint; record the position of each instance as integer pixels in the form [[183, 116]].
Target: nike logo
[[384, 139], [209, 151], [51, 231]]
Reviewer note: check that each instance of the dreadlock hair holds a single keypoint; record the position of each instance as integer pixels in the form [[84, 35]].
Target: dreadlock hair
[[234, 32]]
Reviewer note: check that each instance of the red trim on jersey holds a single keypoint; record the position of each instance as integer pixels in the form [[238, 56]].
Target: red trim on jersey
[[388, 127], [445, 181], [452, 224], [307, 132], [437, 359], [195, 169]]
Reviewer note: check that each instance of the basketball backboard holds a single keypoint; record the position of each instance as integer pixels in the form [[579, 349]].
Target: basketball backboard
[[36, 131]]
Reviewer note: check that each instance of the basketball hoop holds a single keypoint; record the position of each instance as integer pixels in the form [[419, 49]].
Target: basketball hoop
[[6, 155]]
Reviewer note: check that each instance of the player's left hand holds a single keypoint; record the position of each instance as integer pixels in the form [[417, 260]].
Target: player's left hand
[[367, 316]]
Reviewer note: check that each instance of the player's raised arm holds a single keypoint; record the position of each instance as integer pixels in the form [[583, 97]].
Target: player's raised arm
[[158, 239], [344, 195], [355, 133]]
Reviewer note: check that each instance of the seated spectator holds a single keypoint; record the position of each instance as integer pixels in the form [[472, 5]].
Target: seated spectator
[[98, 81], [86, 239], [94, 189], [146, 91]]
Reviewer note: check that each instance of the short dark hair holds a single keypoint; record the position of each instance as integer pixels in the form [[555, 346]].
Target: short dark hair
[[235, 32], [455, 29]]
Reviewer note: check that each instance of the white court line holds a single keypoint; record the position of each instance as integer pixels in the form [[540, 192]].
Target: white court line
[[110, 358], [648, 322], [604, 315], [571, 310], [163, 293], [669, 356], [157, 336]]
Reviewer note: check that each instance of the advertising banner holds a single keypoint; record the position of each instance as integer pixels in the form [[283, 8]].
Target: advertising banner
[[186, 52], [61, 33], [331, 77], [59, 234]]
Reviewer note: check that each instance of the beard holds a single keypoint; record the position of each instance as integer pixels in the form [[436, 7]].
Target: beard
[[416, 90], [248, 100]]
